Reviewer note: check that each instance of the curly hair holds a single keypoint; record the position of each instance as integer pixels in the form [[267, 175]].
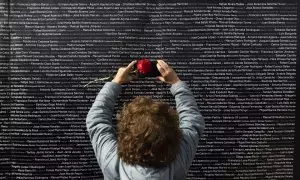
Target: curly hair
[[148, 133]]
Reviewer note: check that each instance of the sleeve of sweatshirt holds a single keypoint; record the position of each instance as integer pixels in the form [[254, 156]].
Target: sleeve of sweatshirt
[[191, 122], [101, 131]]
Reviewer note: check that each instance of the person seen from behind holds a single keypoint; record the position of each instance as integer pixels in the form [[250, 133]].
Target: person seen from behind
[[152, 140]]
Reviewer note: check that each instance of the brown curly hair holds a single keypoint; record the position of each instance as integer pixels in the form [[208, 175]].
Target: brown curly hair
[[148, 133]]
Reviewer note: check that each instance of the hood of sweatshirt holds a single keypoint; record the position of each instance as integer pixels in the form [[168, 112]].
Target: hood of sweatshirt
[[137, 172]]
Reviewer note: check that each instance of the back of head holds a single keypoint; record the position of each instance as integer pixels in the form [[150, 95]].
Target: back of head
[[148, 133]]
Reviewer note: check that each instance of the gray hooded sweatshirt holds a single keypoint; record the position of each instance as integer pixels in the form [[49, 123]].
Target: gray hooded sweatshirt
[[104, 141]]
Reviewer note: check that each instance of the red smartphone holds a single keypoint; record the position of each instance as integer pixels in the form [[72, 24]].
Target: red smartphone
[[146, 68]]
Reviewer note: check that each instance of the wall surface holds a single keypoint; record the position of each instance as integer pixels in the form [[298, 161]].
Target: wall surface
[[239, 59]]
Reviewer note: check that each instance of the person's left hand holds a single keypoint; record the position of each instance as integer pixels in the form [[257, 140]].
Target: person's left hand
[[124, 74]]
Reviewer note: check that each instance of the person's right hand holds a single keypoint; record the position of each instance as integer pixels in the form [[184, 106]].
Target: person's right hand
[[168, 75]]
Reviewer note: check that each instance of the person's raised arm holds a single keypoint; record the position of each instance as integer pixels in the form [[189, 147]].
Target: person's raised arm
[[99, 119], [191, 121]]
